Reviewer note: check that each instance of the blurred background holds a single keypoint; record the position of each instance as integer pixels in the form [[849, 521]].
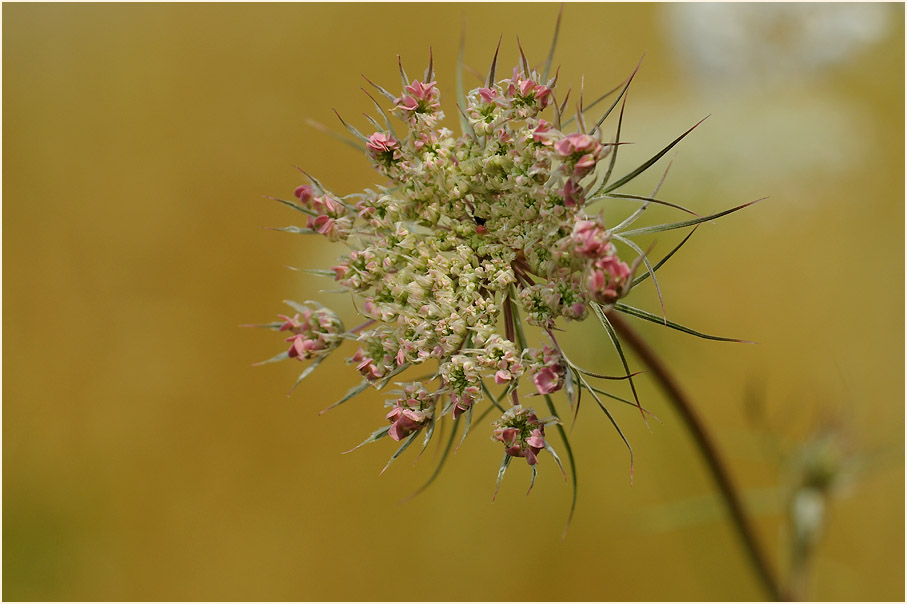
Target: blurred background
[[144, 459]]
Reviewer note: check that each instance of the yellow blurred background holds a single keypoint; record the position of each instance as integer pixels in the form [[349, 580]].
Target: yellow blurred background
[[144, 459]]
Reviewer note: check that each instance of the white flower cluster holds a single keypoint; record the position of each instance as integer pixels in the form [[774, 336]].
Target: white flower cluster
[[469, 232]]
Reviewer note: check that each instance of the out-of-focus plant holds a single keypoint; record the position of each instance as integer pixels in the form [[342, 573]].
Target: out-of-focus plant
[[468, 236], [815, 469], [818, 470]]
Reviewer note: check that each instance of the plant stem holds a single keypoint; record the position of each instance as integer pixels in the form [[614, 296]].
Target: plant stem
[[708, 450], [510, 331]]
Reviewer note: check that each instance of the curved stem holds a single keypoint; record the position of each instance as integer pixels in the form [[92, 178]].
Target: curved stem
[[708, 451]]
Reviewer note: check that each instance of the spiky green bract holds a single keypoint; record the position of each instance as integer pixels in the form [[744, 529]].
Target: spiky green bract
[[573, 476], [343, 139], [376, 435], [399, 452], [642, 314], [648, 164], [359, 389], [501, 471], [444, 454], [658, 228], [667, 257]]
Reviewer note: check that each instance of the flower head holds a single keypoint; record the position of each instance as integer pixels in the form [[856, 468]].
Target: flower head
[[548, 368], [470, 230], [526, 94], [419, 105], [411, 411], [383, 149], [467, 235], [521, 432], [315, 332]]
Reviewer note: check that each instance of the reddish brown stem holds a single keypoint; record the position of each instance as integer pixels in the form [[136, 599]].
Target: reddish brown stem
[[521, 271], [707, 449], [359, 328]]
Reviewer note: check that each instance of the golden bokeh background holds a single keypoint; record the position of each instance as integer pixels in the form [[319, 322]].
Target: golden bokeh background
[[144, 459]]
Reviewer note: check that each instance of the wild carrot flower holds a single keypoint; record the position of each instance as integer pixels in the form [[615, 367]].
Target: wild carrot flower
[[521, 432], [411, 411], [468, 235], [314, 332], [548, 369]]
